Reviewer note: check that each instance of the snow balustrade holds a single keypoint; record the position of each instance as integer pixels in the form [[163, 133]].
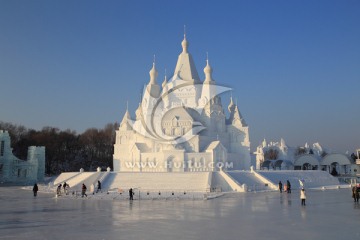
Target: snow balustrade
[[157, 194], [265, 180]]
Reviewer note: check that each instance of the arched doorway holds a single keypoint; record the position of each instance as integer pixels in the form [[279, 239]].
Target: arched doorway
[[334, 168], [336, 164], [306, 162]]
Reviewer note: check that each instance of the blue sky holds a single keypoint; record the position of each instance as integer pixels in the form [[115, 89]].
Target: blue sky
[[294, 65]]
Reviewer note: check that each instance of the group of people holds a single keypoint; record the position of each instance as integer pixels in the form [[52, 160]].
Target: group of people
[[84, 188], [287, 189], [65, 186]]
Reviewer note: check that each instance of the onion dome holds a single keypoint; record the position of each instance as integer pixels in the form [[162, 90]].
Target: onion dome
[[208, 72], [185, 45]]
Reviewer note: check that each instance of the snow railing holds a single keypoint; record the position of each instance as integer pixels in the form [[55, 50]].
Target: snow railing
[[235, 186], [266, 181], [153, 194]]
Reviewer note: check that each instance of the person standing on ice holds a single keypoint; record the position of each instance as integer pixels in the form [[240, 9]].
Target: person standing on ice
[[66, 190], [64, 186], [355, 194], [98, 187], [288, 186], [303, 197], [35, 189], [131, 194], [280, 186], [83, 190]]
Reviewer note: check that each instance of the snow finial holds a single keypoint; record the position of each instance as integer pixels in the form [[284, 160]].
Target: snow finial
[[153, 73], [208, 70], [185, 43]]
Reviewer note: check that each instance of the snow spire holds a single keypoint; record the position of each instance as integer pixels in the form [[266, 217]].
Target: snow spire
[[125, 122], [185, 43], [185, 67], [153, 73]]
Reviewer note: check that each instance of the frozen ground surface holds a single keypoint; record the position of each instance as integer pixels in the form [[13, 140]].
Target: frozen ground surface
[[329, 214]]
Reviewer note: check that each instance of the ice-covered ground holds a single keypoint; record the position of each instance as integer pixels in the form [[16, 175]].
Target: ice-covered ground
[[329, 214]]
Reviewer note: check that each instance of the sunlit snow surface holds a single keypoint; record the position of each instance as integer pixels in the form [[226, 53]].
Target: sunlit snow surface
[[329, 214]]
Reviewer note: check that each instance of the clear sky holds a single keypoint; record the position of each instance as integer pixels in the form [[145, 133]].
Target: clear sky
[[294, 65]]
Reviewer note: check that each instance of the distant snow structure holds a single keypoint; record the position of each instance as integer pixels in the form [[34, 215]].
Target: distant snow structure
[[14, 170], [278, 156]]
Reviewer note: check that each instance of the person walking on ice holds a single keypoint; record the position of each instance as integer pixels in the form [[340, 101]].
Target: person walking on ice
[[58, 190], [288, 186], [131, 194], [83, 190], [35, 189], [303, 197]]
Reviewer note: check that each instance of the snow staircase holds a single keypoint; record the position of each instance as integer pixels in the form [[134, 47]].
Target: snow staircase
[[252, 181], [76, 182], [167, 181], [233, 183]]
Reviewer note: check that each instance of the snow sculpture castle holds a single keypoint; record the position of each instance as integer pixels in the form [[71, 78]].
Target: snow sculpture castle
[[13, 169], [181, 126]]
